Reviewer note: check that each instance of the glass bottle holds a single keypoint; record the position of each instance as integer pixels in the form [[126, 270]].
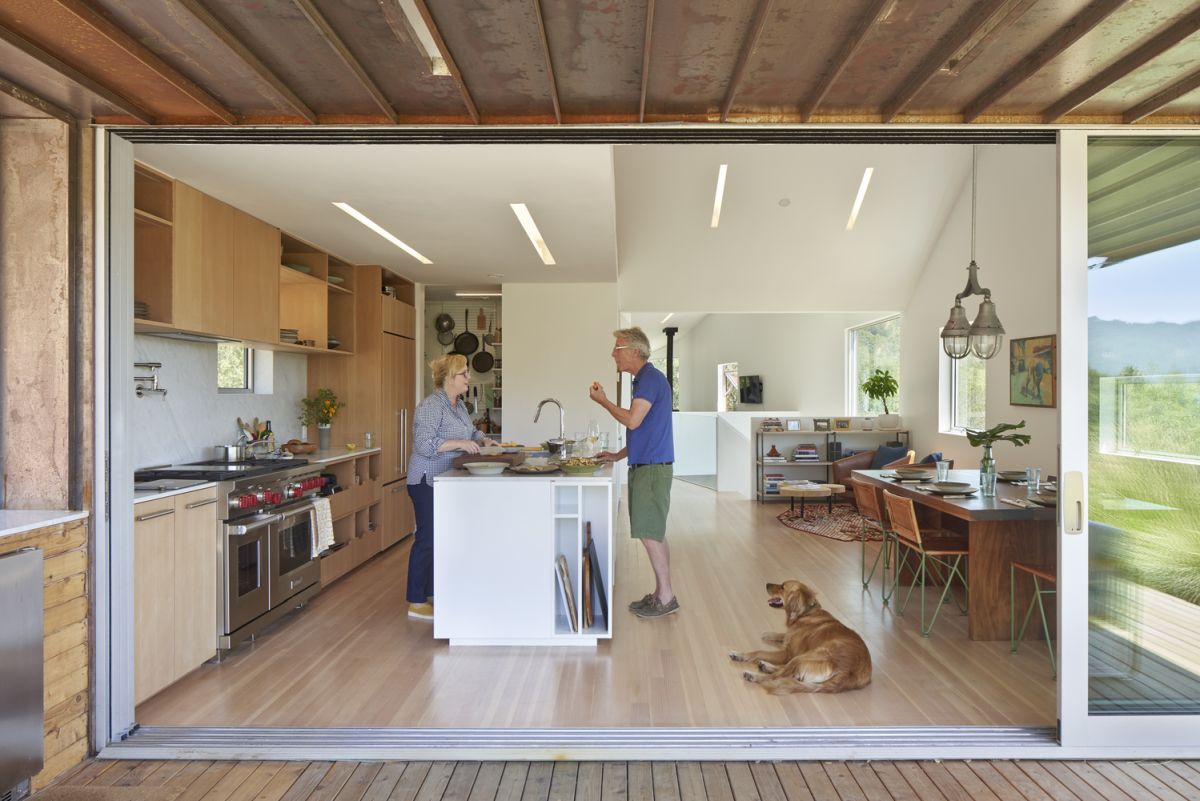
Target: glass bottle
[[987, 473]]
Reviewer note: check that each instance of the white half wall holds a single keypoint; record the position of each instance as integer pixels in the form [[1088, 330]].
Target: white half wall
[[557, 341], [1016, 249], [695, 443]]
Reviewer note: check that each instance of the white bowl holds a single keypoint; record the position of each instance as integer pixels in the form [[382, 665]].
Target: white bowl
[[951, 486], [485, 468], [490, 450], [915, 471]]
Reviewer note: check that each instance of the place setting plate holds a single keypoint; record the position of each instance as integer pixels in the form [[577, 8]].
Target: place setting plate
[[526, 469], [950, 488]]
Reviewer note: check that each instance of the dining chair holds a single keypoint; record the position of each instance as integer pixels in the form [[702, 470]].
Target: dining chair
[[870, 515], [933, 547], [1039, 575]]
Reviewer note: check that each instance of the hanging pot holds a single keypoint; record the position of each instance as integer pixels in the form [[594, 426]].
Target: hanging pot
[[489, 338], [466, 343], [482, 362], [443, 323], [445, 337]]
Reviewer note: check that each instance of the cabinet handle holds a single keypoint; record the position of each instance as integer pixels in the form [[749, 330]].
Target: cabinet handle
[[198, 504], [152, 515], [357, 479]]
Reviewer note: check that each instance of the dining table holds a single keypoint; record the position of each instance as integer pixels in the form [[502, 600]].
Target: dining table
[[998, 533]]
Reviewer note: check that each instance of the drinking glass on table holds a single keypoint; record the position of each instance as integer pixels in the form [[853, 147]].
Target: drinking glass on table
[[1033, 481], [987, 484], [943, 470]]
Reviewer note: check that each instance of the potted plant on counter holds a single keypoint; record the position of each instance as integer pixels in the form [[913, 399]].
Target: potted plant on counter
[[880, 387], [320, 409], [1004, 432]]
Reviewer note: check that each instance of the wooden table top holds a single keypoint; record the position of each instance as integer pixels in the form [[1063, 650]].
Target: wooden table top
[[975, 507], [811, 491]]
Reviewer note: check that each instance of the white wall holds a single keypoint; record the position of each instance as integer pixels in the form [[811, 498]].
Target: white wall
[[557, 341], [184, 425], [695, 441], [801, 358], [1016, 249]]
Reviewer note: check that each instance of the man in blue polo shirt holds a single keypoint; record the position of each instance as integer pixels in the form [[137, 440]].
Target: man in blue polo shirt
[[651, 452]]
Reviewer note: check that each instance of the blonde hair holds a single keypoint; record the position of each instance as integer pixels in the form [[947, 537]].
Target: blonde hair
[[635, 337], [445, 366]]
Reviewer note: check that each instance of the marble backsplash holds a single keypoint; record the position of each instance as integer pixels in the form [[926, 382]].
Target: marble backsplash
[[184, 425]]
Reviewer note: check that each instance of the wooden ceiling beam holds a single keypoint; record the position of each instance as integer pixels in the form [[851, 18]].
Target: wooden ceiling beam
[[842, 58], [1169, 95], [1070, 33], [451, 65], [100, 90], [23, 95], [969, 27], [105, 27], [647, 41], [318, 21], [1175, 33], [227, 38], [537, 10], [739, 69]]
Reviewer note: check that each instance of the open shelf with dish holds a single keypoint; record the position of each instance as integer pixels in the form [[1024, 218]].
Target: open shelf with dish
[[782, 455]]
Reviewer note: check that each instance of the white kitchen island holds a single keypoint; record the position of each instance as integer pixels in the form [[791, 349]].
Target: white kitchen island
[[497, 544]]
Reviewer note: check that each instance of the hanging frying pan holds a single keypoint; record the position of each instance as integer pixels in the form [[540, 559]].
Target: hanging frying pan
[[482, 362], [466, 343], [445, 337], [443, 323]]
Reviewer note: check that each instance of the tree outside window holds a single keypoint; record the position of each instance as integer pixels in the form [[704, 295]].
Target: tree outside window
[[727, 387], [661, 364], [235, 367], [874, 346]]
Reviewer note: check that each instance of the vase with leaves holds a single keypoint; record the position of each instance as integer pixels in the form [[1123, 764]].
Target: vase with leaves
[[320, 409], [986, 438], [880, 386]]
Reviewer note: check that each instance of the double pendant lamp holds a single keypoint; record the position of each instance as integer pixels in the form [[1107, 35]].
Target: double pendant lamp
[[985, 335]]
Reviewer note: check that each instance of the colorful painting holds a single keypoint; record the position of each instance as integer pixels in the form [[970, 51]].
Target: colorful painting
[[1031, 372]]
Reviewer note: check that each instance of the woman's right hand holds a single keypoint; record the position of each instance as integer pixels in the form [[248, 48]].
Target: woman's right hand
[[468, 445]]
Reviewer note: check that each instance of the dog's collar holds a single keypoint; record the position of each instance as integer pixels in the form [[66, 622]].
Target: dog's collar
[[815, 605]]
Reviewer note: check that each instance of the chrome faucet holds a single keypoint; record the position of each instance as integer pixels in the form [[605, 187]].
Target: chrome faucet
[[562, 419]]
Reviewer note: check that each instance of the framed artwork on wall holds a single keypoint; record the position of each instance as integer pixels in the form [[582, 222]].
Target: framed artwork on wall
[[820, 424], [841, 424], [1031, 372], [793, 424]]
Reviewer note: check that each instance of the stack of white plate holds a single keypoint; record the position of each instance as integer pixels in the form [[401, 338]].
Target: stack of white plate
[[141, 310], [289, 335]]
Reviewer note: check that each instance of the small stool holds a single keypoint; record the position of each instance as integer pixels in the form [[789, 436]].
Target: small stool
[[826, 491], [1039, 575]]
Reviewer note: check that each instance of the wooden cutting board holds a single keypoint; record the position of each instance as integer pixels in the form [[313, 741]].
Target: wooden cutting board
[[507, 458]]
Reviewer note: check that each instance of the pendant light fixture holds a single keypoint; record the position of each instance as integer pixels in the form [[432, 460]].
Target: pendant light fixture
[[985, 335]]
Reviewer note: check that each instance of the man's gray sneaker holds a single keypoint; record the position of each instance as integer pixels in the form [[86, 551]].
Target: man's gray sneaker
[[657, 608], [643, 603]]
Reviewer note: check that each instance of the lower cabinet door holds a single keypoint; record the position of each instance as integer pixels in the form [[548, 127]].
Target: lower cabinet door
[[397, 514], [153, 597], [195, 579]]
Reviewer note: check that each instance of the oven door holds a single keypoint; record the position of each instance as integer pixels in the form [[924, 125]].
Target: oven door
[[247, 573], [293, 567]]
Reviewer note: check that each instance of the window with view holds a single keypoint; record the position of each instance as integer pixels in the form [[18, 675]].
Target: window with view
[[661, 364], [727, 387], [964, 394], [871, 347], [235, 367]]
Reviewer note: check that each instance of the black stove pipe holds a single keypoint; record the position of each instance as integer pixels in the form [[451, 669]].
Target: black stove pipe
[[670, 331]]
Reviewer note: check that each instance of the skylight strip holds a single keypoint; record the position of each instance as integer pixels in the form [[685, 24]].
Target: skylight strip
[[716, 218], [858, 201], [531, 231], [379, 229], [668, 317]]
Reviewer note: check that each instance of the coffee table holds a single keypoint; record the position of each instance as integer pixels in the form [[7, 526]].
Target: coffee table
[[804, 492]]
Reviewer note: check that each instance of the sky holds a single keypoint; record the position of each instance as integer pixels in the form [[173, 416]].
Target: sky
[[1159, 287]]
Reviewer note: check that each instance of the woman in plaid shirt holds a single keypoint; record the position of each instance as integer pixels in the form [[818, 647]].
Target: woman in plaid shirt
[[442, 430]]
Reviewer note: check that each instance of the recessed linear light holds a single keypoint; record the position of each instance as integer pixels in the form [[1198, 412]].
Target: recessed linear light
[[716, 220], [379, 229], [531, 231], [437, 63], [858, 201], [668, 317], [478, 294]]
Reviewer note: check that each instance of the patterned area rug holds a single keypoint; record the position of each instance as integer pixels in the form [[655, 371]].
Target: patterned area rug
[[843, 523]]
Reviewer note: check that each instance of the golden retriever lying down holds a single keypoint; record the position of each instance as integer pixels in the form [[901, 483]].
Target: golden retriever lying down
[[818, 654]]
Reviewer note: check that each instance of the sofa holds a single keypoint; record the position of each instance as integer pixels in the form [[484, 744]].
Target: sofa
[[866, 460]]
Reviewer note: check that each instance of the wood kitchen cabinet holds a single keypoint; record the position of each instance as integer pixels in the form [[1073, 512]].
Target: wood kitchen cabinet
[[216, 267], [255, 279], [174, 588], [398, 516]]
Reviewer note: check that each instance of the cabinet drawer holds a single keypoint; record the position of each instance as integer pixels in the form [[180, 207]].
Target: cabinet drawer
[[343, 502]]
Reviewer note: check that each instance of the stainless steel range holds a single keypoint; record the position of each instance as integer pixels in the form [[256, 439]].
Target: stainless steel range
[[266, 541]]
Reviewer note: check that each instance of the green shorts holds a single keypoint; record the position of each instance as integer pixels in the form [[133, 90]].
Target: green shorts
[[649, 500]]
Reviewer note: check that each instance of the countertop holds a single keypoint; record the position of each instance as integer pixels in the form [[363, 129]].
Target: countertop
[[142, 497], [337, 455], [604, 473], [17, 521]]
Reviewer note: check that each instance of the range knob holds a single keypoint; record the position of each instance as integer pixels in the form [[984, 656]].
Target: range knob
[[247, 501]]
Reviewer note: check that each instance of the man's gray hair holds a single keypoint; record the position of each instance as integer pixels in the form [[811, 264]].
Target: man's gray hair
[[635, 337]]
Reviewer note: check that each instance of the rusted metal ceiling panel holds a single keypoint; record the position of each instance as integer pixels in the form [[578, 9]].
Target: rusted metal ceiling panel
[[1186, 108], [53, 27], [1120, 33], [184, 42], [497, 46], [394, 61], [282, 37], [994, 56], [1140, 84], [52, 86], [12, 108], [891, 51], [793, 52], [696, 46], [597, 52]]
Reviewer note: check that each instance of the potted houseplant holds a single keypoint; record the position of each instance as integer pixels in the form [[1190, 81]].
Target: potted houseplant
[[320, 409], [986, 438], [881, 386]]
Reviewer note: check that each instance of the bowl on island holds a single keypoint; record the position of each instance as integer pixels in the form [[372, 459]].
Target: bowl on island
[[485, 468]]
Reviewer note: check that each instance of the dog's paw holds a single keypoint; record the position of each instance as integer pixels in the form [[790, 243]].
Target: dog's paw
[[750, 677], [766, 667], [736, 657]]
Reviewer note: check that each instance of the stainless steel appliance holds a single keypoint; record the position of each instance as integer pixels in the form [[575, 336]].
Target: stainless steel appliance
[[265, 540], [21, 670]]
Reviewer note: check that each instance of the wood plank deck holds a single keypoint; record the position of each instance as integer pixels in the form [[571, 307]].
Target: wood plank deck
[[1169, 780]]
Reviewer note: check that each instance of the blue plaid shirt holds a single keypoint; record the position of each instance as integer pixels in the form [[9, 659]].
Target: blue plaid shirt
[[435, 421]]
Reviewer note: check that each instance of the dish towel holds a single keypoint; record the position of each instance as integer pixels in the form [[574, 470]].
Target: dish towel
[[324, 539]]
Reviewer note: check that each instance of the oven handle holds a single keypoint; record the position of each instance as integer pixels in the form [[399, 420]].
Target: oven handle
[[309, 509], [257, 524]]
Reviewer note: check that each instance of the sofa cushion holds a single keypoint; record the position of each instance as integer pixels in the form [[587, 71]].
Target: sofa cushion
[[936, 456], [885, 455]]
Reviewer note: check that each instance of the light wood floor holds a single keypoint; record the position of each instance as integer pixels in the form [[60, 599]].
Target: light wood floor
[[647, 781], [353, 658]]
